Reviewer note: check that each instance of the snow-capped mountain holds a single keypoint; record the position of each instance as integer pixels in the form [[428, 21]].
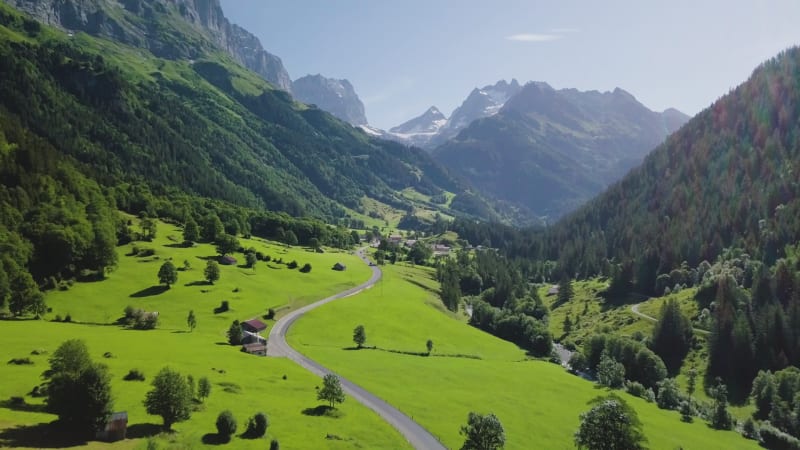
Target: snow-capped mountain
[[334, 96], [432, 128], [420, 130], [480, 103]]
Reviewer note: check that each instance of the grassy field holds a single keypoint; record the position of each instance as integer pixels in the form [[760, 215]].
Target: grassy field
[[242, 383], [537, 402]]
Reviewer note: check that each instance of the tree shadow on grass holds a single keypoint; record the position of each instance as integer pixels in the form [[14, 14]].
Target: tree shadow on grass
[[21, 406], [151, 291], [43, 435], [198, 283], [215, 439], [322, 411], [143, 430]]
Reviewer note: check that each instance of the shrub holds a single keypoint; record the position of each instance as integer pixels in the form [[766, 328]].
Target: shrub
[[635, 388], [226, 424], [134, 375], [274, 445], [17, 401], [292, 265], [306, 268], [108, 355], [257, 425], [68, 318], [270, 314], [57, 318], [224, 306]]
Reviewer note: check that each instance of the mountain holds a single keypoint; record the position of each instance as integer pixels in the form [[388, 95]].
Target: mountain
[[201, 26], [727, 178], [204, 126], [419, 130], [334, 96], [548, 151], [484, 102]]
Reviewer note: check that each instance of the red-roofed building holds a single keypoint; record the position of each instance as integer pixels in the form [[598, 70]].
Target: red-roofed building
[[254, 326]]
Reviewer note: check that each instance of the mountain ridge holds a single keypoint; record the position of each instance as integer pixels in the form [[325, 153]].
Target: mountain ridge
[[548, 151]]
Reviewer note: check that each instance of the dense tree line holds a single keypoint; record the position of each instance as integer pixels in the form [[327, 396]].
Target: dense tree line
[[502, 302]]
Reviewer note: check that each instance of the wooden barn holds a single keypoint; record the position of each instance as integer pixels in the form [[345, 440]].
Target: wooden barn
[[116, 428]]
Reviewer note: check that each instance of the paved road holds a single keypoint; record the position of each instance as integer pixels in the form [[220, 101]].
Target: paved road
[[417, 436], [635, 310]]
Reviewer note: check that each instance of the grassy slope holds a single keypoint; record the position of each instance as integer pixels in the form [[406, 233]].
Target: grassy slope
[[199, 353], [537, 402]]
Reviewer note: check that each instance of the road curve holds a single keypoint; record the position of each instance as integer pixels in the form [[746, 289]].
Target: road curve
[[635, 310], [277, 346]]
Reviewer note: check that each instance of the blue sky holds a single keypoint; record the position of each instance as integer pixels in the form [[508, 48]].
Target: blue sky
[[406, 55]]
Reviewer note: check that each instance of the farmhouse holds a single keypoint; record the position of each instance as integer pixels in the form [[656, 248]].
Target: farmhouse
[[440, 250], [116, 428], [395, 239], [254, 326], [255, 348], [339, 266], [553, 290]]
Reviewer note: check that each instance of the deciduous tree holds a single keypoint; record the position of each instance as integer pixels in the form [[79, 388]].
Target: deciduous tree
[[331, 391], [359, 336], [170, 397], [211, 271], [483, 432], [610, 425], [168, 274]]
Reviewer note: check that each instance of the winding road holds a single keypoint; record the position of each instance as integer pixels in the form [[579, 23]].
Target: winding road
[[277, 346]]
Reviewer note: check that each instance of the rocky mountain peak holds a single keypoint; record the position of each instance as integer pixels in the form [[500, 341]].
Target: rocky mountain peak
[[338, 97]]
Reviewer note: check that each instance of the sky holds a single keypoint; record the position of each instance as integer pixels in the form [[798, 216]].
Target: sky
[[403, 56]]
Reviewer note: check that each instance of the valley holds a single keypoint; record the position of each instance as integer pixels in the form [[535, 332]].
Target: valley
[[199, 250]]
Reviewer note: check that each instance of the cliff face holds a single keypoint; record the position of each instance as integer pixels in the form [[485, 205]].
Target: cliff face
[[156, 25], [338, 97]]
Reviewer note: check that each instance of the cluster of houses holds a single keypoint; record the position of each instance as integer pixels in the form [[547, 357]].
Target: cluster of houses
[[396, 239]]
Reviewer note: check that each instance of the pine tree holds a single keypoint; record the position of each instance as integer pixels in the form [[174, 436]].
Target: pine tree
[[672, 336]]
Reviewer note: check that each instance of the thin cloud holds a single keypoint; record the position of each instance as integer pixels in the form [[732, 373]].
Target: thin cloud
[[534, 37], [565, 30]]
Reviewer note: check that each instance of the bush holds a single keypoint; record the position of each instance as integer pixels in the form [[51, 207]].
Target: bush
[[257, 425], [134, 375], [292, 265], [274, 445], [68, 318], [226, 424], [270, 314], [306, 268], [224, 306], [635, 388]]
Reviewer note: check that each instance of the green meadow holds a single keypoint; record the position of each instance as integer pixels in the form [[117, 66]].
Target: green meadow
[[537, 402], [242, 383]]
